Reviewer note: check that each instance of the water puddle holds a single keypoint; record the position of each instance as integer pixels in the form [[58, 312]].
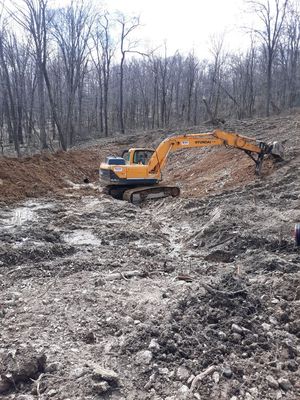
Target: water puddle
[[16, 217]]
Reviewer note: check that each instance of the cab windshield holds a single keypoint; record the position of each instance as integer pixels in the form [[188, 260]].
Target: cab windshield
[[142, 156]]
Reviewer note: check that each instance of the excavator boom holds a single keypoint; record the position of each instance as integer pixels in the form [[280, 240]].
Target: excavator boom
[[139, 172]]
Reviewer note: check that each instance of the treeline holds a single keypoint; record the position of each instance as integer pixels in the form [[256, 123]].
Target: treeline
[[74, 73]]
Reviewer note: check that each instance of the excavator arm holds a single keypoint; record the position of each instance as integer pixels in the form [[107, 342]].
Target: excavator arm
[[215, 138]]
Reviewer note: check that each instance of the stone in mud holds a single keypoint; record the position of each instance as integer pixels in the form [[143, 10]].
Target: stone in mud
[[144, 357], [285, 384], [154, 346], [227, 372], [272, 382], [182, 373], [100, 373]]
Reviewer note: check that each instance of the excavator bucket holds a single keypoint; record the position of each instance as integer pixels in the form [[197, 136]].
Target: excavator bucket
[[277, 150]]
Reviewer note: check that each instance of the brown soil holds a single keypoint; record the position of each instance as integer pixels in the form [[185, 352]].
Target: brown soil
[[101, 299]]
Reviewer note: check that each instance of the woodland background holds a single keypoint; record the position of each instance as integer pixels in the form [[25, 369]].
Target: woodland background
[[75, 73]]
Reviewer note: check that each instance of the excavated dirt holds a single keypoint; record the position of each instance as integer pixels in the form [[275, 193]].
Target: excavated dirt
[[189, 298]]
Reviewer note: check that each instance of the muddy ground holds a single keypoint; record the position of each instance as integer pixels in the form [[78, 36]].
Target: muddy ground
[[190, 298]]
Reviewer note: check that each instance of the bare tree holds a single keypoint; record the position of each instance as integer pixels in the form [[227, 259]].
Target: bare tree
[[272, 14], [126, 46], [104, 51], [71, 29], [33, 19]]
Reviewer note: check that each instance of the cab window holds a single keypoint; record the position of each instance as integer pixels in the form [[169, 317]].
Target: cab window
[[142, 156]]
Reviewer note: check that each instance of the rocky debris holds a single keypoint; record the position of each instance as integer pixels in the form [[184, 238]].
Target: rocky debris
[[100, 373], [182, 373], [154, 345], [22, 365], [272, 382], [183, 393], [216, 377], [227, 372], [104, 380], [51, 392], [285, 384], [144, 357]]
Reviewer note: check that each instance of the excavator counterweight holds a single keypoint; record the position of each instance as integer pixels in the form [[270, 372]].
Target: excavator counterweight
[[137, 175]]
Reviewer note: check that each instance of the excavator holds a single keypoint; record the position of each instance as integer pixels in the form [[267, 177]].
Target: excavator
[[137, 175]]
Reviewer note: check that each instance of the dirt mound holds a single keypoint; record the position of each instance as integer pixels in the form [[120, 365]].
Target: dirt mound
[[44, 173]]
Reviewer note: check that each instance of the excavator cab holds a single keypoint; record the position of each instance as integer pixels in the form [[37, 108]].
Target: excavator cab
[[137, 156]]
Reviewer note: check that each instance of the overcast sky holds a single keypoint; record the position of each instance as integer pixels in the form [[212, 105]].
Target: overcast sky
[[188, 24]]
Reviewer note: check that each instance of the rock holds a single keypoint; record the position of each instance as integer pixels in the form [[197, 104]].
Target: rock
[[272, 382], [237, 329], [150, 382], [101, 387], [273, 320], [78, 373], [144, 357], [163, 371], [265, 326], [285, 384], [279, 395], [52, 392], [178, 338], [154, 346], [248, 396], [222, 335], [236, 337], [100, 373], [274, 301], [254, 391], [183, 392], [182, 374], [227, 372], [216, 377]]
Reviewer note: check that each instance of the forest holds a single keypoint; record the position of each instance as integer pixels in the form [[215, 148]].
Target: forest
[[75, 73]]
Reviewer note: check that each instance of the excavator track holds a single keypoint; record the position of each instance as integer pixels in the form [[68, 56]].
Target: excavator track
[[140, 194], [115, 191]]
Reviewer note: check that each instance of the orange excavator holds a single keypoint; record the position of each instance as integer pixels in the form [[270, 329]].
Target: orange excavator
[[137, 175]]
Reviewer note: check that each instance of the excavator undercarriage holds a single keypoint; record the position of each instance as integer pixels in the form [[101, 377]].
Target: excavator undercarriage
[[140, 194]]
